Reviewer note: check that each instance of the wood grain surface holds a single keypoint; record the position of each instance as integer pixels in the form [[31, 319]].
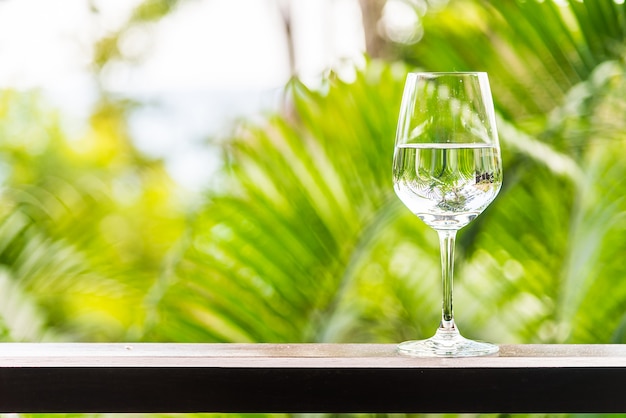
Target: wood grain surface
[[146, 377]]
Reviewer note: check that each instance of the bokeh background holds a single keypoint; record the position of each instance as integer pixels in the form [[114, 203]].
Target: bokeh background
[[220, 171]]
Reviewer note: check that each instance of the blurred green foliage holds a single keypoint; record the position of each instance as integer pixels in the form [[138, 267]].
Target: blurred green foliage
[[304, 241], [84, 225]]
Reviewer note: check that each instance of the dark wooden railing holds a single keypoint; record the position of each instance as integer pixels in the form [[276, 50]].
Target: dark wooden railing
[[307, 378]]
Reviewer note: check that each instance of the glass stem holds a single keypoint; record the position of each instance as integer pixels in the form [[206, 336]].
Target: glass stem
[[446, 241]]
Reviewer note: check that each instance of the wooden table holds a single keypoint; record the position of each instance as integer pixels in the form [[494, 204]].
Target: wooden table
[[307, 378]]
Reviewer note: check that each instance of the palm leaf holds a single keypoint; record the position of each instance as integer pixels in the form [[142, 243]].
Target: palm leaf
[[309, 239], [551, 85]]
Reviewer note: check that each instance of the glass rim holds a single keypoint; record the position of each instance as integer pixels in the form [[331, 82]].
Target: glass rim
[[438, 73]]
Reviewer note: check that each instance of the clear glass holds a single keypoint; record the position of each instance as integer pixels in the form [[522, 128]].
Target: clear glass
[[447, 169]]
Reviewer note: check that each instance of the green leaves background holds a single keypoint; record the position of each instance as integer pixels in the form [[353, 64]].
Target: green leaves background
[[311, 233]]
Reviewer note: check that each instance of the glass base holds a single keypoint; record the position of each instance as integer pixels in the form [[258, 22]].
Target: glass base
[[447, 343]]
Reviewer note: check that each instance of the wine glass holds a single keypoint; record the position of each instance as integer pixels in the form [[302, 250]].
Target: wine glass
[[447, 169]]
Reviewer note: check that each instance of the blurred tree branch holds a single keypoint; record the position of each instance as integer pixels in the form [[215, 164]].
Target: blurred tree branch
[[284, 7], [371, 11]]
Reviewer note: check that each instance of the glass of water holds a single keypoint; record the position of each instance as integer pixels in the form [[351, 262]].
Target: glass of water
[[447, 169]]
